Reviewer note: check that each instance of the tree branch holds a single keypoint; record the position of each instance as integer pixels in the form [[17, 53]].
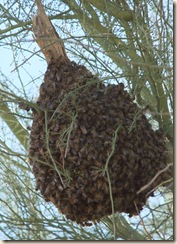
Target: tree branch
[[154, 178], [46, 36]]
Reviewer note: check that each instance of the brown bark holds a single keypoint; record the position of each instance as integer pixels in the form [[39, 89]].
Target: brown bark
[[46, 36]]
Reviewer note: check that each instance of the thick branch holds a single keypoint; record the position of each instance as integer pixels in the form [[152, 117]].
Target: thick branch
[[46, 36]]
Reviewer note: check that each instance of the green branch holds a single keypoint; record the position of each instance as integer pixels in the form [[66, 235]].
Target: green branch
[[17, 129]]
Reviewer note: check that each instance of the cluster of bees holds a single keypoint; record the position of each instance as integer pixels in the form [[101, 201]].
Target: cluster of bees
[[91, 146]]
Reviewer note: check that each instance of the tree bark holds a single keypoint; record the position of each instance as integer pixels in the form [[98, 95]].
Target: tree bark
[[46, 36]]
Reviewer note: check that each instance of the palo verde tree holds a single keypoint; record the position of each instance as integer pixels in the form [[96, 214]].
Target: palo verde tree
[[120, 42]]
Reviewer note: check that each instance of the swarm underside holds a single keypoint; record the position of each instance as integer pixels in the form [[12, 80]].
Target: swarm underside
[[91, 143]]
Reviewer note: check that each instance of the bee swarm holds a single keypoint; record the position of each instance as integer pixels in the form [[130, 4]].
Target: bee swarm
[[84, 126]]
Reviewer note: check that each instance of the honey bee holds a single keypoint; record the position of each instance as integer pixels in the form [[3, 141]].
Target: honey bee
[[98, 196], [90, 210], [99, 208], [88, 224], [24, 106]]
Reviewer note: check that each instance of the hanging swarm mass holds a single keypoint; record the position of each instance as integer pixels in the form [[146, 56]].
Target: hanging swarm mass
[[85, 133]]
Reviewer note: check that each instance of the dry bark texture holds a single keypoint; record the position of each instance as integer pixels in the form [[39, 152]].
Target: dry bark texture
[[83, 127], [46, 36]]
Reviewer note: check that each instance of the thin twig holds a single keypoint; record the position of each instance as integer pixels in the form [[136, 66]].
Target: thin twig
[[142, 222], [108, 177], [70, 129], [154, 178], [49, 151], [161, 184]]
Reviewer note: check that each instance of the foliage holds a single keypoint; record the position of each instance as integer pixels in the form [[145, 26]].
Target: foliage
[[121, 41]]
